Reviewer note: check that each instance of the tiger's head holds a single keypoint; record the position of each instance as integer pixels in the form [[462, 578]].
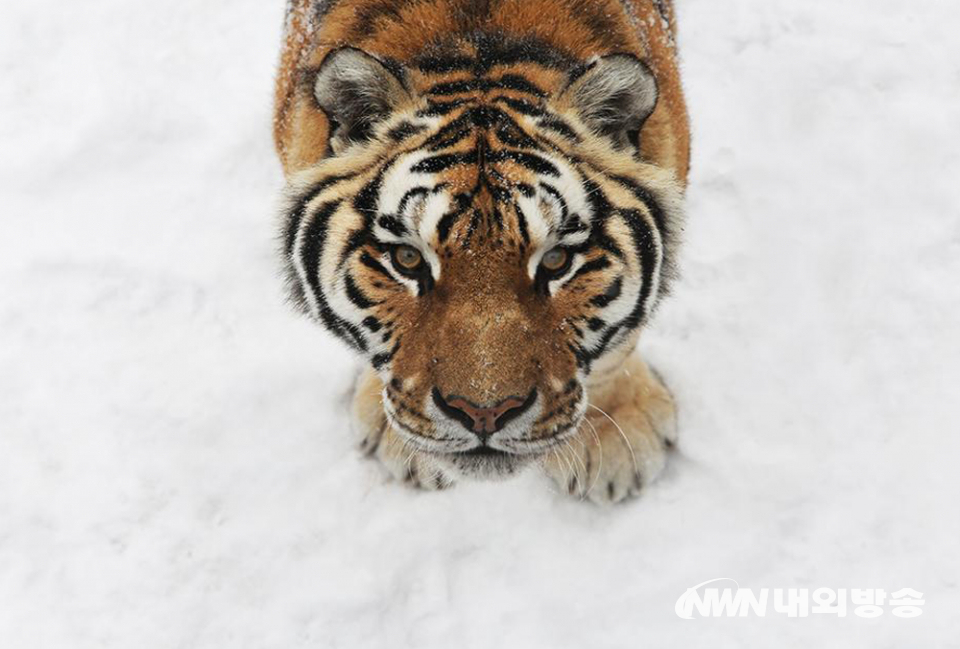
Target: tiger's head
[[485, 232]]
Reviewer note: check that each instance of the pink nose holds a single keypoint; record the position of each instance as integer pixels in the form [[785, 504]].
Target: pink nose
[[483, 420]]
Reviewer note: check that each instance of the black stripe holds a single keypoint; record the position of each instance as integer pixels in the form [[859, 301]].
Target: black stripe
[[323, 212], [520, 84], [484, 116], [447, 220], [612, 293], [557, 125], [507, 82], [494, 49], [444, 64], [296, 214], [599, 205], [600, 208], [557, 196], [451, 133], [366, 199], [526, 190], [392, 225], [446, 224], [512, 135], [586, 357], [416, 192], [522, 224], [448, 138], [355, 295], [404, 130], [521, 106], [497, 184], [572, 225], [583, 358], [601, 240], [354, 243], [372, 324], [644, 196], [380, 360], [311, 254], [591, 266], [371, 262], [475, 217], [531, 161], [602, 346], [643, 239], [441, 108], [437, 163]]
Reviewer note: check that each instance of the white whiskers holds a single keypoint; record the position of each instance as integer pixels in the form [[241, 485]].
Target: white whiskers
[[636, 467], [596, 436]]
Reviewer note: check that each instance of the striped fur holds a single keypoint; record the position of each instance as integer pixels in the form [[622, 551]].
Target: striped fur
[[483, 134]]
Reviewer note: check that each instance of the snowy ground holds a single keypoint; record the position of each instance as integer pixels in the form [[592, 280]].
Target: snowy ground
[[175, 465]]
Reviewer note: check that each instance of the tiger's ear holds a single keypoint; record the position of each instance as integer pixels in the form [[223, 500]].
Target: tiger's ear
[[615, 96], [356, 91]]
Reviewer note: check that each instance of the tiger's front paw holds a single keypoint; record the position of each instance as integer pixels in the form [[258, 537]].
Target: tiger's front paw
[[623, 442], [380, 441], [405, 464]]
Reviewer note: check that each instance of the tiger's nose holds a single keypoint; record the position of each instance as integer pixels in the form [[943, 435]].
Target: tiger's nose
[[483, 420]]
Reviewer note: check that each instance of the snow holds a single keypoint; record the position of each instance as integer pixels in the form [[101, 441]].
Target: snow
[[176, 468]]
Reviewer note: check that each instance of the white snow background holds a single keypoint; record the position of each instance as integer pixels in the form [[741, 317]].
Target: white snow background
[[176, 466]]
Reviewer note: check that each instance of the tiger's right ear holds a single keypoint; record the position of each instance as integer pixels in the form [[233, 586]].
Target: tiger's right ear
[[356, 91]]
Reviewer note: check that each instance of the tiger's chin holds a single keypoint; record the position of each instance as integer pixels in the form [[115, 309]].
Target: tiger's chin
[[484, 463]]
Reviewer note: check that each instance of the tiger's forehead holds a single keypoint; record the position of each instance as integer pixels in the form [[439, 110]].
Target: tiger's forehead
[[479, 192], [482, 168]]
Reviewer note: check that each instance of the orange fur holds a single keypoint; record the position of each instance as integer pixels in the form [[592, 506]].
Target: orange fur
[[486, 332], [404, 27]]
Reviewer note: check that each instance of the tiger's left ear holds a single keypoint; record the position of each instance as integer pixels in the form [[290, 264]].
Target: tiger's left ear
[[615, 96]]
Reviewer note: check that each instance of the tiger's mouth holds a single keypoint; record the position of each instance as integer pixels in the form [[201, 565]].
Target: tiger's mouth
[[484, 455], [484, 452]]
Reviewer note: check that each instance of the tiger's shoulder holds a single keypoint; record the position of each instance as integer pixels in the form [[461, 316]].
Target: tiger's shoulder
[[423, 36]]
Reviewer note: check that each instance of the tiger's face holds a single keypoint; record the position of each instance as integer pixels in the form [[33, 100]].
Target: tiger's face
[[487, 236]]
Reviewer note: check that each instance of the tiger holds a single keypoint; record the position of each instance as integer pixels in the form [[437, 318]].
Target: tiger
[[484, 199]]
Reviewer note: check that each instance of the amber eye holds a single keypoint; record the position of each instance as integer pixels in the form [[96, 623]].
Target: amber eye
[[556, 260], [407, 258]]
